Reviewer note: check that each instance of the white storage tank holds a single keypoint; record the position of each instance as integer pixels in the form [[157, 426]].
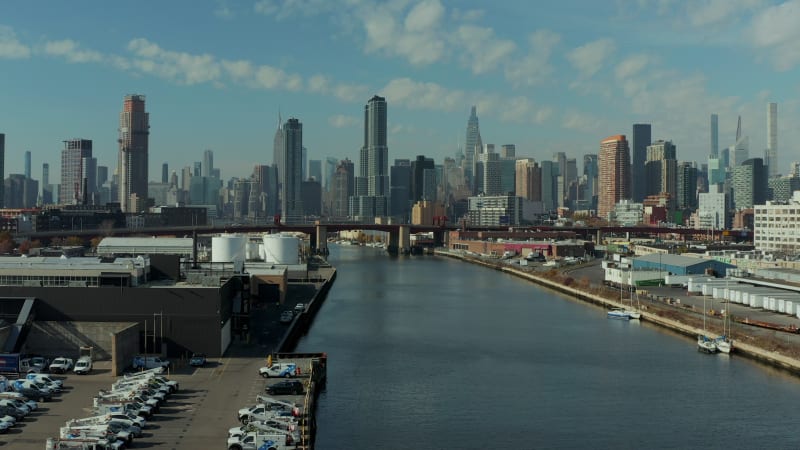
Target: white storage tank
[[781, 305], [281, 249], [230, 248], [789, 307], [252, 250]]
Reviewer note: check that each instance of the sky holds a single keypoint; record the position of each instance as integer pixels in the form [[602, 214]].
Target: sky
[[546, 76]]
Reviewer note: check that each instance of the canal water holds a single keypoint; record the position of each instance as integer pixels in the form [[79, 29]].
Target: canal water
[[432, 353]]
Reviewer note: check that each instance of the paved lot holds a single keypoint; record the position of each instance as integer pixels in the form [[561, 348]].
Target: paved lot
[[196, 417]]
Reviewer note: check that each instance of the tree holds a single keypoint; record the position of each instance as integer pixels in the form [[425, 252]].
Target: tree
[[6, 247], [74, 241], [24, 247], [95, 241]]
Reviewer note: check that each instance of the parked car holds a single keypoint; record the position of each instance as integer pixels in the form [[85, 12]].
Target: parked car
[[149, 362], [287, 317], [83, 366], [286, 387], [198, 360], [61, 365], [299, 308], [40, 362]]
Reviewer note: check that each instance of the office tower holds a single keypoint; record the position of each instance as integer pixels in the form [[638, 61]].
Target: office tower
[[20, 191], [342, 188], [472, 143], [208, 163], [73, 163], [528, 182], [198, 169], [27, 164], [714, 136], [266, 179], [613, 177], [560, 161], [781, 189], [686, 186], [418, 168], [47, 190], [278, 155], [291, 201], [400, 190], [749, 183], [549, 185], [134, 131], [311, 194], [492, 171], [660, 168], [640, 139], [165, 173], [372, 184], [186, 178], [2, 168], [329, 170], [771, 157], [89, 171], [305, 163], [508, 151], [315, 170], [590, 172]]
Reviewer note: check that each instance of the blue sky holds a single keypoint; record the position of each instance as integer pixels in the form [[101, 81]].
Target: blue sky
[[546, 76]]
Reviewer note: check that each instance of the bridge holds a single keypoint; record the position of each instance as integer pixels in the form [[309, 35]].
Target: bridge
[[399, 234]]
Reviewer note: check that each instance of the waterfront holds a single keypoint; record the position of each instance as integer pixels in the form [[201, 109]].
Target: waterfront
[[434, 353]]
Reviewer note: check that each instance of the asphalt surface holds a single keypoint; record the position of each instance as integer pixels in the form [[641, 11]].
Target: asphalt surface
[[198, 416]]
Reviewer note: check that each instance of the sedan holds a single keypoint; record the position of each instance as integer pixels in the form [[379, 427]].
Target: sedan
[[198, 360], [286, 387], [287, 317]]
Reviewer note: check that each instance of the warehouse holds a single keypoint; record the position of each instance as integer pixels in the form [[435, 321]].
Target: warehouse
[[680, 265]]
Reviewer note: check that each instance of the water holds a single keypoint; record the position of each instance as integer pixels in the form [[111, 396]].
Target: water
[[433, 353]]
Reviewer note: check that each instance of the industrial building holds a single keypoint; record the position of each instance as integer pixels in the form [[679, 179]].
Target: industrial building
[[679, 265]]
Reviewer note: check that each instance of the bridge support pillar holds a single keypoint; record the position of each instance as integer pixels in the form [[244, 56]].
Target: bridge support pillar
[[393, 246], [322, 239], [439, 238], [599, 237], [404, 239]]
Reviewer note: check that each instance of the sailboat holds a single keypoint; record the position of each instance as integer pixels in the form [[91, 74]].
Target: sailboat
[[631, 312], [705, 343], [619, 313], [724, 342]]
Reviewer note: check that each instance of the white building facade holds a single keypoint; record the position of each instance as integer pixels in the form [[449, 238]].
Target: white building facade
[[711, 211], [776, 227]]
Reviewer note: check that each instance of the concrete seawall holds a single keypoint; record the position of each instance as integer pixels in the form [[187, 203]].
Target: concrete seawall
[[767, 357], [304, 320]]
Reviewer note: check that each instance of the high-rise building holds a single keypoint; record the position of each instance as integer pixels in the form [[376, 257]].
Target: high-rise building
[[614, 176], [291, 201], [20, 191], [329, 170], [372, 184], [74, 181], [2, 167], [640, 139], [687, 186], [528, 183], [471, 144], [714, 136], [315, 170], [134, 131], [266, 179], [492, 171], [278, 155], [549, 185], [418, 168], [400, 190], [208, 163], [164, 173], [28, 164], [590, 172], [660, 169], [508, 151], [560, 161], [198, 169], [771, 156], [749, 184], [47, 188], [342, 188], [780, 189]]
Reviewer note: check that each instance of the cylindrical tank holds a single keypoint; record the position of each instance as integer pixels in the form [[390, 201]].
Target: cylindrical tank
[[252, 250], [281, 249], [229, 248]]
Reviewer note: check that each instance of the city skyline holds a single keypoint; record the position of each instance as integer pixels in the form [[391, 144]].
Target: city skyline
[[538, 86]]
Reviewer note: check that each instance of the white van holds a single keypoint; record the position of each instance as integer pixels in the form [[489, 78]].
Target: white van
[[83, 366], [149, 362], [45, 378]]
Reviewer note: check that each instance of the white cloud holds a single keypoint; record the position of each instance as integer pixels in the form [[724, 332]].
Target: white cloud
[[342, 121], [469, 15], [239, 70], [590, 58], [632, 65], [424, 95], [424, 16], [69, 50], [775, 30], [181, 67], [482, 51], [223, 10], [711, 12], [10, 46], [535, 67], [580, 121], [288, 8], [418, 39]]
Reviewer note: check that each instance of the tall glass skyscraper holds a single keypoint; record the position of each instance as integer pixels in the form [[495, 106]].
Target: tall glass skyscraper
[[372, 184], [134, 131], [291, 201], [714, 136], [771, 156], [472, 145], [641, 138]]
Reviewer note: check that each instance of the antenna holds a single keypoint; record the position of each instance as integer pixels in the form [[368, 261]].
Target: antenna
[[739, 129]]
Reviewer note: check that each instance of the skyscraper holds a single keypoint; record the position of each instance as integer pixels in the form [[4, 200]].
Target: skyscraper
[[134, 131], [400, 190], [528, 180], [28, 164], [165, 173], [749, 183], [277, 156], [590, 171], [472, 143], [714, 136], [291, 201], [372, 184], [639, 141], [660, 169], [47, 189], [2, 167], [208, 163], [418, 168], [315, 170], [74, 179], [614, 176], [560, 162], [771, 156]]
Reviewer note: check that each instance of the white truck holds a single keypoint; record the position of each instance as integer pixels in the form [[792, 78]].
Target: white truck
[[53, 383], [107, 406], [266, 440], [118, 396], [20, 398], [279, 370], [286, 426], [88, 443], [98, 431], [267, 411], [145, 384], [105, 419], [83, 366], [153, 379], [61, 365]]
